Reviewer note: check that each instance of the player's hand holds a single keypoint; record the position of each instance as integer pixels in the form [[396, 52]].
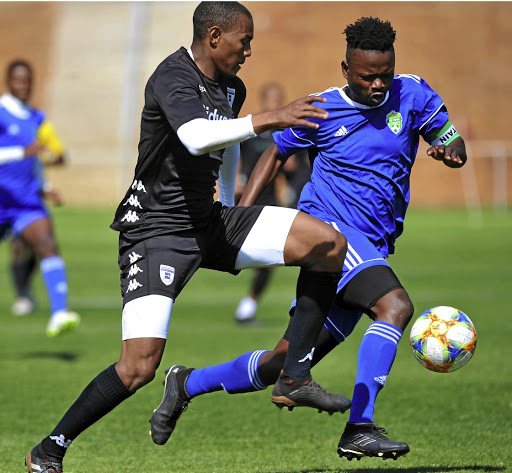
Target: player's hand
[[34, 148], [449, 155], [293, 114], [53, 196], [296, 112]]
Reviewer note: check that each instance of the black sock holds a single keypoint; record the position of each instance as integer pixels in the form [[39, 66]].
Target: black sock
[[315, 294], [22, 271], [260, 280], [103, 393]]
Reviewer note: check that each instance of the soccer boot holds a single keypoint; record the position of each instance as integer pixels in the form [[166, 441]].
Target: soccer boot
[[23, 306], [174, 402], [368, 440], [38, 462], [304, 392], [62, 322]]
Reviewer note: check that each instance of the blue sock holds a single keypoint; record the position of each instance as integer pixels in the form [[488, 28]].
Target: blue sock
[[240, 375], [55, 279], [376, 355]]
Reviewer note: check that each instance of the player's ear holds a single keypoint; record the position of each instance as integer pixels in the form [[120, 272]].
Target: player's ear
[[344, 69], [214, 34]]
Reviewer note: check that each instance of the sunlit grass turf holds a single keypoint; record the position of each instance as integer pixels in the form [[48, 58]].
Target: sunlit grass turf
[[457, 422]]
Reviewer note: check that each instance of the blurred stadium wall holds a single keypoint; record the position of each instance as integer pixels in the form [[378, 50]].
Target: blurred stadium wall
[[92, 60]]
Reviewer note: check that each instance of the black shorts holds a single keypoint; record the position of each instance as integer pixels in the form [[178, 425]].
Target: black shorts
[[164, 264]]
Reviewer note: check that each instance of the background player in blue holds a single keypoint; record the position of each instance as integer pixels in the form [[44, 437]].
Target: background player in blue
[[170, 225], [25, 133], [362, 156]]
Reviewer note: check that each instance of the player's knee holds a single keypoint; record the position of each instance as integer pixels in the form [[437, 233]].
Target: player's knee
[[136, 375], [402, 310], [329, 253]]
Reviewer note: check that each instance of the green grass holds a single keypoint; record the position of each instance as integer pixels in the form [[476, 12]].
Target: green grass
[[457, 422]]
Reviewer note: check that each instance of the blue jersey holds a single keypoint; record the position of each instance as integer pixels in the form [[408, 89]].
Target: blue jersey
[[362, 157], [19, 124], [20, 179]]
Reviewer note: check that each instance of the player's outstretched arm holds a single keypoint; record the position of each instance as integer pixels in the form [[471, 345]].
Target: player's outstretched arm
[[265, 171], [452, 155], [293, 114]]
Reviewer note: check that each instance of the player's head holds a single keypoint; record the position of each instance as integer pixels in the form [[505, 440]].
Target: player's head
[[271, 96], [370, 60], [19, 79], [226, 30]]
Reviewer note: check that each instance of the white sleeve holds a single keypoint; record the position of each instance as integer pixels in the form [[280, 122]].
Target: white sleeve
[[11, 153], [227, 175], [200, 136]]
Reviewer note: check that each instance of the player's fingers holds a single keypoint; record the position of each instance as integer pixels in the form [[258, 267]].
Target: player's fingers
[[308, 124], [314, 98]]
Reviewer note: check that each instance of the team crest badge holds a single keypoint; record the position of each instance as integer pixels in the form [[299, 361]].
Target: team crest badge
[[167, 274], [394, 121], [231, 96]]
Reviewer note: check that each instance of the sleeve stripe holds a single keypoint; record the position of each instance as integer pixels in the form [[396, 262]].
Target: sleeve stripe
[[432, 116]]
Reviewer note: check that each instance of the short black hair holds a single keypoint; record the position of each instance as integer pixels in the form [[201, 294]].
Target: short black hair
[[221, 14], [17, 63], [370, 34]]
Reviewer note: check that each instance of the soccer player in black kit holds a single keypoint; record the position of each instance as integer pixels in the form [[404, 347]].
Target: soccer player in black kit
[[170, 226]]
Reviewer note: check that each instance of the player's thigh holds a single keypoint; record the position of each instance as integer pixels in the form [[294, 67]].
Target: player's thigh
[[312, 241], [264, 244], [36, 228]]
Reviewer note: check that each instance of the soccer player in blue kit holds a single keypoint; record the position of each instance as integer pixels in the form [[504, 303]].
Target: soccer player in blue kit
[[361, 156], [24, 133]]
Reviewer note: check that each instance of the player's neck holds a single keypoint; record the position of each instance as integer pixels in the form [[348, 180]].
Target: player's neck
[[203, 61]]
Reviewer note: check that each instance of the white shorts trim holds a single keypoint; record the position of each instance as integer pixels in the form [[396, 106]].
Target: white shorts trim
[[264, 245], [147, 317]]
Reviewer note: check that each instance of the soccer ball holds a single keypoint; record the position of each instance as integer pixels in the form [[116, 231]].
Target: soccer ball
[[443, 339]]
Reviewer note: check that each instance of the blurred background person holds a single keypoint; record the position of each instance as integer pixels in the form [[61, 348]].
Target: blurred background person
[[25, 134], [23, 259], [284, 191]]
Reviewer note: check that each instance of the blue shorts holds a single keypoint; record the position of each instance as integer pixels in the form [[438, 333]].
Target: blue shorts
[[361, 254], [19, 208]]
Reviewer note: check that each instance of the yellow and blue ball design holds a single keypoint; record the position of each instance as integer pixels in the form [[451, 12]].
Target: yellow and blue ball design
[[443, 339]]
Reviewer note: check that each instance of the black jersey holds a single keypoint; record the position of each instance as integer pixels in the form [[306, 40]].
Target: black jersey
[[172, 189]]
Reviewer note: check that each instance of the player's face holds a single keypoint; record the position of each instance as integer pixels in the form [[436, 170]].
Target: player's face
[[19, 83], [234, 46], [369, 75]]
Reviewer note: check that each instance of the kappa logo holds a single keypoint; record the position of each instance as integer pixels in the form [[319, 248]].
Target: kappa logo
[[394, 121], [133, 285], [134, 257], [130, 216], [137, 185], [309, 356], [61, 440], [134, 270], [167, 274], [341, 132], [201, 88], [133, 200], [231, 96]]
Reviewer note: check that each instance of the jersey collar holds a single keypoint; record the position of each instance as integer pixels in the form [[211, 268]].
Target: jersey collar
[[360, 105], [15, 106]]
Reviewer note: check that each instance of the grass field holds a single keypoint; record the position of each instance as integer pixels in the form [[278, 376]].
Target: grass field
[[457, 422]]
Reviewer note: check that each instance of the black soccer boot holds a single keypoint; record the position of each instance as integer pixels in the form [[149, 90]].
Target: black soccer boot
[[304, 392], [174, 402], [38, 462], [368, 440]]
